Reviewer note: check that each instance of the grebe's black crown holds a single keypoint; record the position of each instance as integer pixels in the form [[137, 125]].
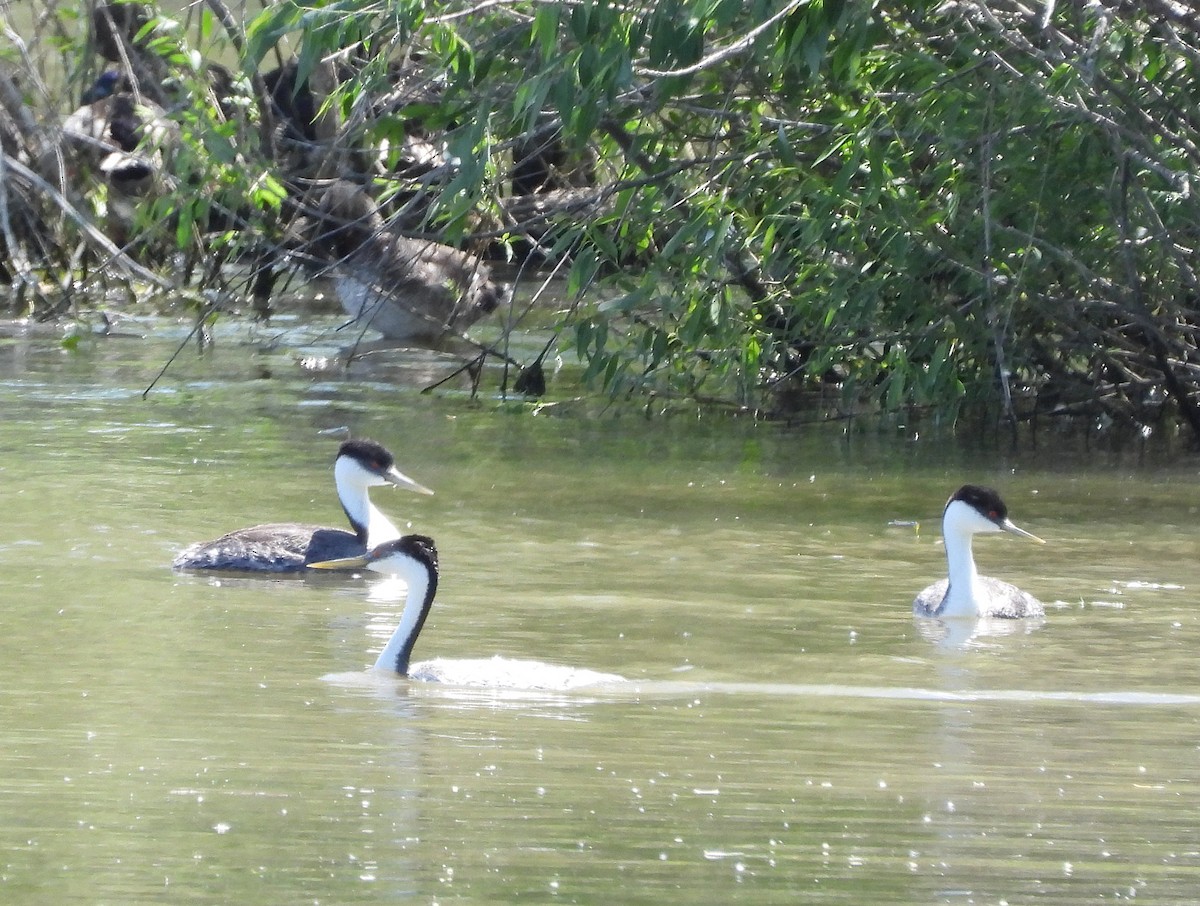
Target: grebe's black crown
[[419, 547], [984, 500], [371, 455]]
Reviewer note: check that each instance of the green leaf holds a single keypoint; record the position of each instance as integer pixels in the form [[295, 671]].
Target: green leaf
[[267, 192], [543, 33], [265, 30]]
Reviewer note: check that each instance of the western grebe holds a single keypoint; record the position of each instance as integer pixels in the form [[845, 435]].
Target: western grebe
[[288, 547], [973, 510], [414, 559]]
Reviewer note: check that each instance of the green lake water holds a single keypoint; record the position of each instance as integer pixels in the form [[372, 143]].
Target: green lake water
[[789, 733]]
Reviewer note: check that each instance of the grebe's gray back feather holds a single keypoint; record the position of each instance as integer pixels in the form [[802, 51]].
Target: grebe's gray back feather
[[276, 547]]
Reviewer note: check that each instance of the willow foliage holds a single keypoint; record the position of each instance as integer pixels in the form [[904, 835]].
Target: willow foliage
[[981, 207]]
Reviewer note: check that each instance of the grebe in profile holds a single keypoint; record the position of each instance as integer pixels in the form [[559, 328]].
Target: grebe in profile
[[414, 559], [970, 511], [288, 547]]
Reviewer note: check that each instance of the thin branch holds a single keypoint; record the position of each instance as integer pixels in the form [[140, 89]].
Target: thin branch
[[97, 238], [726, 53]]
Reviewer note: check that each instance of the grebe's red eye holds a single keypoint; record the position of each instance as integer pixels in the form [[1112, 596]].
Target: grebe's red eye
[[992, 514]]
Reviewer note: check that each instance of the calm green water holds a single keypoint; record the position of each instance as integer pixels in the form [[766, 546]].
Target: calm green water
[[789, 733]]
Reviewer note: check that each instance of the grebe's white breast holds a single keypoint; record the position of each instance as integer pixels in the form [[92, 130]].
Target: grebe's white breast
[[989, 597]]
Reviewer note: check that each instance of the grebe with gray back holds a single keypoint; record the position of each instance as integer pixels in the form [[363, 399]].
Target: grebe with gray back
[[973, 510], [414, 559], [281, 547]]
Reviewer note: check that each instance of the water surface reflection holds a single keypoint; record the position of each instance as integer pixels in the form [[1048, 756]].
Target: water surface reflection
[[788, 731]]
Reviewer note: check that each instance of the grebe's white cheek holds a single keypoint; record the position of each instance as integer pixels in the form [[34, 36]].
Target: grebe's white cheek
[[961, 518], [979, 523], [382, 567]]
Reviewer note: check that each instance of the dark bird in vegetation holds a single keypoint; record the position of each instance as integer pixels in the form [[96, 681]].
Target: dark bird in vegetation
[[407, 289], [120, 32], [121, 135]]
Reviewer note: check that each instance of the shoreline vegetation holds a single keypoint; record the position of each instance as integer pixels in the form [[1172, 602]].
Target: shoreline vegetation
[[971, 210]]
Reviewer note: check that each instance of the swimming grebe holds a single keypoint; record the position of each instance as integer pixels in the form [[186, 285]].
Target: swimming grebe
[[414, 559], [972, 510], [288, 546]]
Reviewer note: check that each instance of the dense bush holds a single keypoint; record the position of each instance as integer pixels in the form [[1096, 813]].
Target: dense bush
[[957, 207]]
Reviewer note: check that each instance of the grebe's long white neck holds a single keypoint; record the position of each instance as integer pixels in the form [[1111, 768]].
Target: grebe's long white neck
[[353, 486], [419, 571], [959, 525], [414, 559]]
